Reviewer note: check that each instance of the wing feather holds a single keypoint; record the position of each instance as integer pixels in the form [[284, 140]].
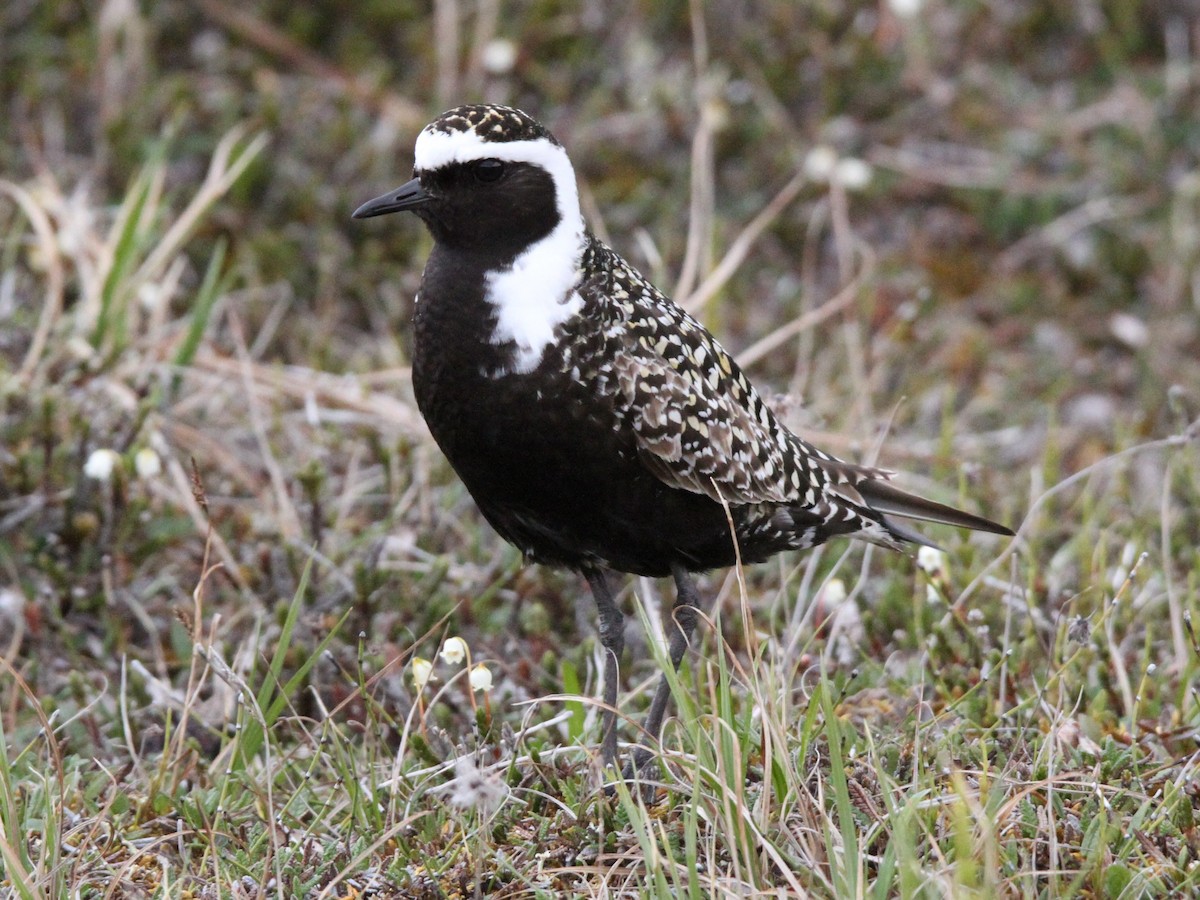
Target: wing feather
[[698, 424], [697, 421]]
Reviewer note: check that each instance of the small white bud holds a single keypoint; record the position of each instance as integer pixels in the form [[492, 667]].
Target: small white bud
[[12, 604], [101, 463], [499, 56], [906, 9], [147, 463], [854, 174], [481, 678], [834, 593], [453, 651], [820, 162], [79, 348], [931, 560], [422, 672], [1129, 330], [150, 295]]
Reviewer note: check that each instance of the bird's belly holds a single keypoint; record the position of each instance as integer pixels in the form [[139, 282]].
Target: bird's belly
[[555, 478]]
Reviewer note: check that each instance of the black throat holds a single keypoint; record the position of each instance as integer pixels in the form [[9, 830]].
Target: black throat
[[454, 322]]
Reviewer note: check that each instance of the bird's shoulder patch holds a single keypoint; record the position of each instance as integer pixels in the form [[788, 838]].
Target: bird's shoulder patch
[[698, 423]]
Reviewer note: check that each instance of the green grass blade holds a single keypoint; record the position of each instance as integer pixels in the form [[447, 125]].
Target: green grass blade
[[846, 872], [130, 230], [13, 844], [212, 287], [570, 679]]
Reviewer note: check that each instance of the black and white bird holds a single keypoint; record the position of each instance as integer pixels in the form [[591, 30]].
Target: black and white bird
[[596, 424]]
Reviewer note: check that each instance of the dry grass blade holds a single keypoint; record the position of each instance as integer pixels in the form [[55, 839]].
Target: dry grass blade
[[839, 303], [446, 41], [740, 247], [696, 257], [1187, 436], [224, 169], [285, 513], [1056, 234], [487, 19], [184, 498], [55, 277], [372, 395]]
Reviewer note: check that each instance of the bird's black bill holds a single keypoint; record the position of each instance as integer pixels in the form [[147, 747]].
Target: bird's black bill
[[405, 197]]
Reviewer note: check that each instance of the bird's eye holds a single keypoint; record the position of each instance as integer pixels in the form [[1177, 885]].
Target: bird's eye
[[488, 169]]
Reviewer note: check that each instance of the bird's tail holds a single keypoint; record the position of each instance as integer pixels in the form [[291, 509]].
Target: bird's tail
[[884, 497]]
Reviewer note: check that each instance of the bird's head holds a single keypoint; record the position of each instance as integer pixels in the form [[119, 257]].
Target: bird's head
[[486, 178]]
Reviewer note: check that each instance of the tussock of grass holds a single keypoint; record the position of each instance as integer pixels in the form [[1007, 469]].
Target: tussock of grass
[[227, 543]]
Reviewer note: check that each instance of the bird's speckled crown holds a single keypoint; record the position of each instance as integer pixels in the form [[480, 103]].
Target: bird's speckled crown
[[494, 124]]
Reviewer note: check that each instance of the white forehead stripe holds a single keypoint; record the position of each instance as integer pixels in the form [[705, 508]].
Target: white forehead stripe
[[436, 149]]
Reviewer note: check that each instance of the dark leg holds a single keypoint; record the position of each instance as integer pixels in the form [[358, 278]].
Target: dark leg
[[683, 623], [612, 639]]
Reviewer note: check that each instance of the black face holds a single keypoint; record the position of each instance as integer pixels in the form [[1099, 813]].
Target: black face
[[488, 205]]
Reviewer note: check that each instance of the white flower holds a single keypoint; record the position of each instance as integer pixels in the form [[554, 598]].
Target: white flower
[[847, 632], [422, 672], [481, 678], [12, 604], [906, 9], [854, 174], [820, 162], [150, 295], [454, 650], [147, 463], [931, 560], [101, 463], [1129, 330], [499, 56], [833, 594], [823, 164], [79, 348]]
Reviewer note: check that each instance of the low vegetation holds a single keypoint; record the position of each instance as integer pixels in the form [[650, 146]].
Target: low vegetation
[[255, 640]]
